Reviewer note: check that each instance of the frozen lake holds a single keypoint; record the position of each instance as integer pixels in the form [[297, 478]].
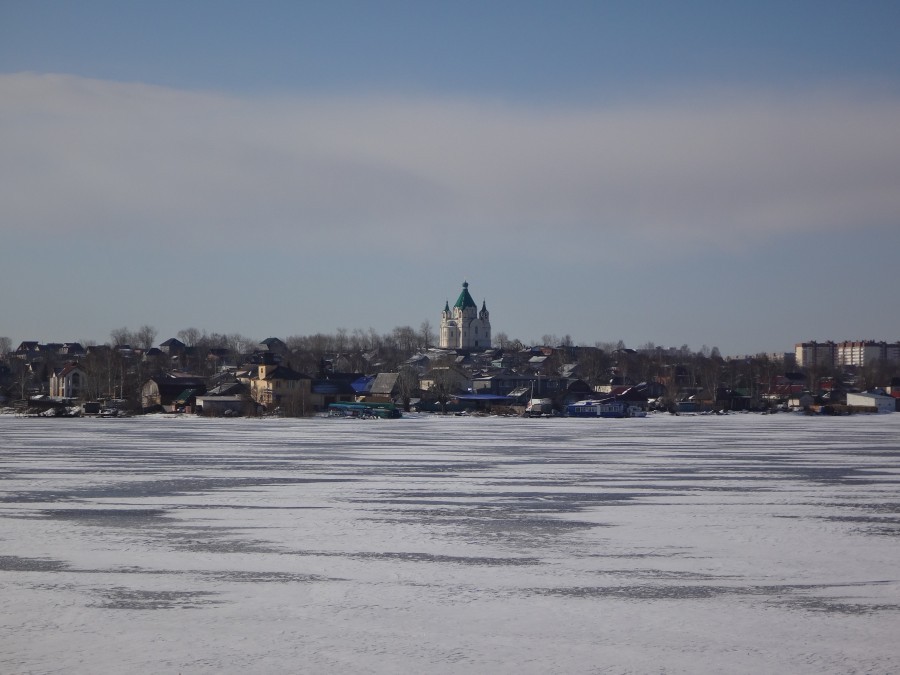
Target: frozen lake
[[718, 544]]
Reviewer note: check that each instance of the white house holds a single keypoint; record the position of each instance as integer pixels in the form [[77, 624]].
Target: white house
[[69, 381]]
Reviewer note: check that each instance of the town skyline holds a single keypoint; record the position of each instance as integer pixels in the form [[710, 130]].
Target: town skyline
[[433, 324], [294, 168], [146, 337]]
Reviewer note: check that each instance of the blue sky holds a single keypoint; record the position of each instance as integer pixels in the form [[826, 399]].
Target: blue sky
[[703, 173]]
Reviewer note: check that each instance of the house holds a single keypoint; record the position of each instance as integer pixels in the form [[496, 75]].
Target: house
[[576, 390], [229, 388], [172, 346], [276, 386], [227, 398], [448, 378], [72, 349], [502, 384], [385, 387], [562, 392], [787, 386], [272, 345], [27, 350], [168, 391], [70, 381], [421, 363], [326, 391]]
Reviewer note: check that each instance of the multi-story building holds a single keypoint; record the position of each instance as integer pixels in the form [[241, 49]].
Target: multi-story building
[[848, 353], [812, 353], [274, 384], [863, 352], [68, 381]]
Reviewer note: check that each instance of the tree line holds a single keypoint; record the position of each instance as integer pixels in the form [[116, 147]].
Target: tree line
[[113, 369]]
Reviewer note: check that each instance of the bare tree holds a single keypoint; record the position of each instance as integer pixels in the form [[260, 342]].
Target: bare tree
[[710, 373], [145, 336], [375, 340], [239, 344], [22, 378], [121, 337], [406, 340], [190, 336], [427, 334], [442, 388], [5, 346], [340, 343], [359, 340], [407, 385]]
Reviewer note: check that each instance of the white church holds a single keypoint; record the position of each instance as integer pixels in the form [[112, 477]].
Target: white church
[[463, 326]]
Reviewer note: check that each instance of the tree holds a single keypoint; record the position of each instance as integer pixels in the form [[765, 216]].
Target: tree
[[442, 387], [294, 404], [121, 337], [98, 364], [5, 346], [427, 334], [595, 364], [144, 337], [341, 341], [555, 362], [189, 336], [406, 340], [407, 385], [710, 374], [239, 344], [22, 378]]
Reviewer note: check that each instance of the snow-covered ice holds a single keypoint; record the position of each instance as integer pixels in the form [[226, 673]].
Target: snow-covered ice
[[717, 544]]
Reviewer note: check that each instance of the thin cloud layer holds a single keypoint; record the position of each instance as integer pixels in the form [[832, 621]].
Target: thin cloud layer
[[92, 158]]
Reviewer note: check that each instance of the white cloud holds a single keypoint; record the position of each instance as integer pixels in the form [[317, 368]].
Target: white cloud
[[99, 158]]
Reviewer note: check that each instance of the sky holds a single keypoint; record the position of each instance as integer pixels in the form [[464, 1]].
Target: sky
[[703, 173]]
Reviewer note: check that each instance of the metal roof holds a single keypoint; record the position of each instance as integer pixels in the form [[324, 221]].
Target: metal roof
[[465, 300]]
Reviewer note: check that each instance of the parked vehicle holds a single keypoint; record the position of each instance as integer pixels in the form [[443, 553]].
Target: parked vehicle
[[537, 407]]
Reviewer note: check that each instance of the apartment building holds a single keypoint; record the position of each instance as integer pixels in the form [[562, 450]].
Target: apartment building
[[807, 354], [848, 353], [864, 352]]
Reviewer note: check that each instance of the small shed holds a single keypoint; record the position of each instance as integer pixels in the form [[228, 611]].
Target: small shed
[[223, 406], [868, 399]]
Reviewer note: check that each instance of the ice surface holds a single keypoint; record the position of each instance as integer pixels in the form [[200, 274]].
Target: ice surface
[[719, 544]]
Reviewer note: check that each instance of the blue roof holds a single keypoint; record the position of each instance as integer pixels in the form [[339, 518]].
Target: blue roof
[[363, 385]]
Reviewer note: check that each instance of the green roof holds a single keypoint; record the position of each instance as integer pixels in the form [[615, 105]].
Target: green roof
[[465, 300], [184, 396]]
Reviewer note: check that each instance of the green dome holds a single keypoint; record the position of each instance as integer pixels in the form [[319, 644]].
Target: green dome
[[465, 300]]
